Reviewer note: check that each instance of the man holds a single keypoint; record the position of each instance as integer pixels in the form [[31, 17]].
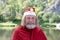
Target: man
[[28, 30]]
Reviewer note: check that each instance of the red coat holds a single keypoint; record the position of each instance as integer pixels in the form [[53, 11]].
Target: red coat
[[22, 33]]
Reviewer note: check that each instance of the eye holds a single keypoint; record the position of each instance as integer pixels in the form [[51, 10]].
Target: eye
[[33, 18], [28, 17]]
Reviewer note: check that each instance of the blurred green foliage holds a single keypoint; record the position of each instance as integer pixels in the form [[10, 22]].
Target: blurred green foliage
[[12, 10]]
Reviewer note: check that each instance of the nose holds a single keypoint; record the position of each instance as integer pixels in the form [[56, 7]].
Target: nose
[[30, 20]]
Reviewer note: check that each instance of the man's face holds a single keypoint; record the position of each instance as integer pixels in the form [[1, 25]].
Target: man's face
[[30, 19], [30, 22]]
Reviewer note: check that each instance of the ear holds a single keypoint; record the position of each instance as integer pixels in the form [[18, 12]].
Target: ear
[[24, 21], [37, 21]]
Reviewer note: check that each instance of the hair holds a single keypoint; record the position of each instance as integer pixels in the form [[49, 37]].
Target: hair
[[23, 18]]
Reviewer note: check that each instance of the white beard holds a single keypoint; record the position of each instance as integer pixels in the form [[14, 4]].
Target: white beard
[[30, 26]]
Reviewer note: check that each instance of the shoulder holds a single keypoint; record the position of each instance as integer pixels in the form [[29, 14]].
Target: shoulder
[[42, 34], [16, 32], [18, 29], [39, 28]]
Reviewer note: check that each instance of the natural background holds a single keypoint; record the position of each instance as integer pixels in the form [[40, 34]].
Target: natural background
[[47, 11]]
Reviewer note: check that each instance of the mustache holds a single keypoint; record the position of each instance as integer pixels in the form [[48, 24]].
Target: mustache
[[30, 23]]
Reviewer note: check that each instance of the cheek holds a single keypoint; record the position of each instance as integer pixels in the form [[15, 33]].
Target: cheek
[[26, 20], [34, 21]]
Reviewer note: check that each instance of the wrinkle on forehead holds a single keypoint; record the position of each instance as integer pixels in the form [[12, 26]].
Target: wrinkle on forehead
[[30, 16]]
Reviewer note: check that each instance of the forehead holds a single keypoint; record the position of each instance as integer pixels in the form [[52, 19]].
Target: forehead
[[31, 16]]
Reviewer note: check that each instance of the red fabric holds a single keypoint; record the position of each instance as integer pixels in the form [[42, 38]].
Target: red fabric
[[22, 33]]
